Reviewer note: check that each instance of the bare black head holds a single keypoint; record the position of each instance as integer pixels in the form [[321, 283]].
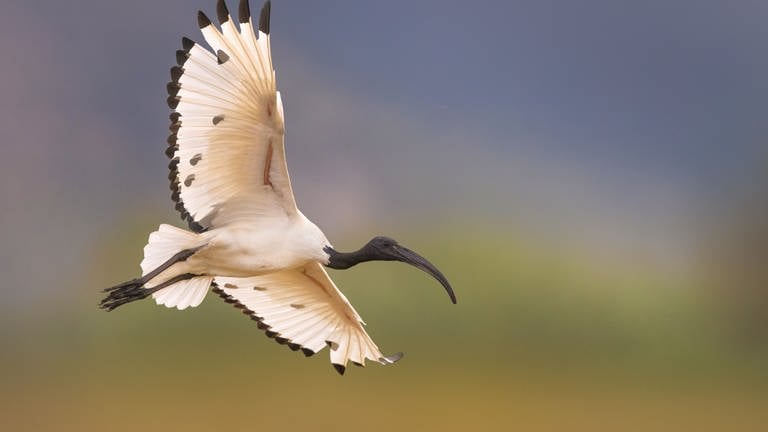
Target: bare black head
[[386, 249]]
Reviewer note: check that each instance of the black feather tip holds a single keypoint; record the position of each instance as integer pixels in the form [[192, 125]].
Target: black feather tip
[[222, 12], [181, 57], [202, 20], [173, 88], [176, 73], [339, 368], [187, 43], [244, 11], [264, 17]]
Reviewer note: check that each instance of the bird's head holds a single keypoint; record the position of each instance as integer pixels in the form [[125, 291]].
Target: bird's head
[[382, 248], [385, 247]]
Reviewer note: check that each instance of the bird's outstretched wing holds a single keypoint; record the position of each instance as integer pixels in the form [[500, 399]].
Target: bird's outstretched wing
[[303, 309], [226, 142]]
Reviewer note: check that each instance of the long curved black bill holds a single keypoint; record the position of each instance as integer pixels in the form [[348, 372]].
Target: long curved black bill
[[410, 257]]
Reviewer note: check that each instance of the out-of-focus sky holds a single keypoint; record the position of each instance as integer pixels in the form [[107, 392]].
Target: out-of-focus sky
[[607, 126]]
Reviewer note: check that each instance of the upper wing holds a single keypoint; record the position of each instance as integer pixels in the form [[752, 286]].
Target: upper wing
[[226, 141], [303, 309]]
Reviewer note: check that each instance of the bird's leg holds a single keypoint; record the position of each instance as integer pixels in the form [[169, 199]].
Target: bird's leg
[[137, 291], [134, 289], [178, 257]]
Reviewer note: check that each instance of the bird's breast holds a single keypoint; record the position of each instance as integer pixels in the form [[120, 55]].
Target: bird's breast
[[243, 250]]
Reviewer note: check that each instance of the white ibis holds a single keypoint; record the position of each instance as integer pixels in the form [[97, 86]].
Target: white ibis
[[248, 240]]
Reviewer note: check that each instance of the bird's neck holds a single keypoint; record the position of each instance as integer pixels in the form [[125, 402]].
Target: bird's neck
[[344, 260]]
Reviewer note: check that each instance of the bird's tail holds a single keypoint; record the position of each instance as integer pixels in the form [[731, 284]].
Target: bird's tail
[[178, 287]]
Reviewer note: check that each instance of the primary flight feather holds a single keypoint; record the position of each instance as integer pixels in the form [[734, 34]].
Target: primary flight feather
[[248, 242]]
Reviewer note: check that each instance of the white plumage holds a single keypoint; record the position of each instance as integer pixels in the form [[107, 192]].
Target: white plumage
[[229, 178]]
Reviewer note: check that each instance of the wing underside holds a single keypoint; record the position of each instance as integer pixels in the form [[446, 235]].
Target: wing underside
[[303, 309], [226, 141]]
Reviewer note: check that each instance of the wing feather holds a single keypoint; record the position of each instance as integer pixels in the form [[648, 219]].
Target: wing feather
[[304, 309], [226, 143]]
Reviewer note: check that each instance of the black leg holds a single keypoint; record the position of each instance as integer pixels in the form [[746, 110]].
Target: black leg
[[136, 291], [179, 257]]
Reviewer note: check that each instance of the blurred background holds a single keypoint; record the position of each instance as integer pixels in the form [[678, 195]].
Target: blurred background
[[591, 176]]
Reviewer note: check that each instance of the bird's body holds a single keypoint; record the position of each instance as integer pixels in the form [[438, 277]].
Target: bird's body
[[229, 178], [242, 249]]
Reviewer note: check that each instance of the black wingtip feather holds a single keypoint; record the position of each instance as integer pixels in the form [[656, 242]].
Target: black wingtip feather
[[181, 57], [202, 20], [169, 153], [173, 102], [264, 17], [176, 73], [244, 11], [187, 43], [339, 368], [173, 88], [222, 12]]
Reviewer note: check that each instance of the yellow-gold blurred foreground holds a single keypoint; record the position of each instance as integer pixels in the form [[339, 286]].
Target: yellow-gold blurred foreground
[[536, 342]]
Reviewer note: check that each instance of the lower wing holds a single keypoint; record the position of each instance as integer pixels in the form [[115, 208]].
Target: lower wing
[[303, 309]]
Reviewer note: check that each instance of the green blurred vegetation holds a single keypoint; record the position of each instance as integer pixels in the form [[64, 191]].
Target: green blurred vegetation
[[541, 339]]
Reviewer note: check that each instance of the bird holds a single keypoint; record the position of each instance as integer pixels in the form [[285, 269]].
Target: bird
[[247, 241]]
